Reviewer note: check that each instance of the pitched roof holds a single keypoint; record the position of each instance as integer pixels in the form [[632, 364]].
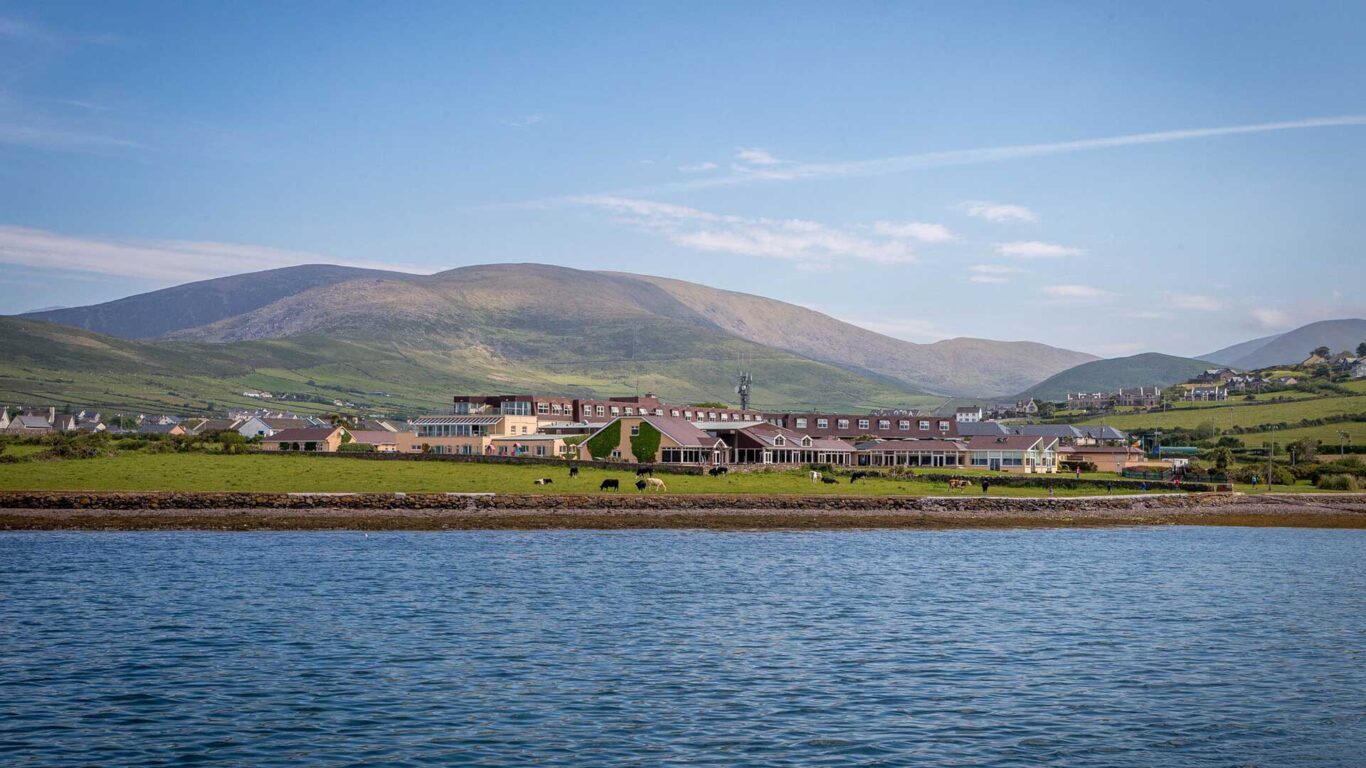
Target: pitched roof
[[974, 428], [422, 421], [29, 421], [310, 434], [1099, 449], [1047, 430], [1103, 432], [910, 445], [681, 431], [1010, 443], [373, 436], [148, 428]]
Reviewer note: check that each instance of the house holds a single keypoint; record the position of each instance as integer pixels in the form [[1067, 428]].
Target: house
[[464, 433], [150, 427], [1107, 458], [383, 440], [912, 453], [969, 413], [4, 418], [29, 424], [1028, 407], [764, 443], [561, 409], [1089, 401], [1013, 453], [538, 446], [209, 426], [1205, 392], [268, 426], [1102, 434], [306, 440], [679, 442], [1359, 369], [1138, 397]]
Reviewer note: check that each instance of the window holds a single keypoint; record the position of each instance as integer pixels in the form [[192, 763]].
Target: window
[[635, 430], [659, 411], [555, 408], [779, 440], [801, 423], [903, 425], [616, 411], [515, 407], [544, 408], [822, 423], [943, 426], [630, 411], [601, 411], [924, 424], [862, 423], [711, 416], [842, 423], [725, 417], [884, 423], [674, 413]]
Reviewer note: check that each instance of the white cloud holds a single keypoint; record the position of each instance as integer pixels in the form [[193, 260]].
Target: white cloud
[[1271, 319], [170, 261], [756, 156], [810, 244], [1193, 301], [915, 230], [1033, 249], [698, 167], [992, 274], [997, 212], [527, 121], [1077, 294]]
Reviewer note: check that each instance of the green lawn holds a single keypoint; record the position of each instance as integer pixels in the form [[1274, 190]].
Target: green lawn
[[1327, 435], [200, 472]]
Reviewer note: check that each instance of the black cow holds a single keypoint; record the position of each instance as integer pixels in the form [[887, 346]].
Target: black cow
[[573, 471], [718, 471], [858, 476], [643, 471], [610, 484], [640, 486], [828, 480]]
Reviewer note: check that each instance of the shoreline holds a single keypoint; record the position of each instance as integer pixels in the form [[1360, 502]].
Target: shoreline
[[436, 512]]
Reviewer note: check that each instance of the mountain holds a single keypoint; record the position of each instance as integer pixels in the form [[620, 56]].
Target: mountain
[[518, 327], [962, 366], [149, 315], [46, 363], [1229, 355], [1294, 346], [1145, 370]]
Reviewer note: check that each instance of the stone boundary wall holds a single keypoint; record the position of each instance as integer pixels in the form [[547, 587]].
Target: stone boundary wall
[[631, 501]]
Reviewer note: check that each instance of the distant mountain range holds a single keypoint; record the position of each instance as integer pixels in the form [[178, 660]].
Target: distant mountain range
[[1150, 369], [324, 330], [1292, 346], [532, 313]]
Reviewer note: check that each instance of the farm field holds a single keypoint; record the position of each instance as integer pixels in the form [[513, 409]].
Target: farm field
[[1327, 435], [255, 472], [1239, 415]]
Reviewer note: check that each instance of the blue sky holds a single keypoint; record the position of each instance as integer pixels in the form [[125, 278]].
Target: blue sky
[[1107, 177]]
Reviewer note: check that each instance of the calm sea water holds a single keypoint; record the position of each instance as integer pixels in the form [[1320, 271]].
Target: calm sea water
[[1142, 647]]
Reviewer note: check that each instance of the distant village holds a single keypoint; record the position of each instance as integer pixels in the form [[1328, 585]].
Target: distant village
[[644, 429]]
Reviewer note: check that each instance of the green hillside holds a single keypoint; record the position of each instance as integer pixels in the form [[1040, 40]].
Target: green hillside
[[51, 364], [1146, 370]]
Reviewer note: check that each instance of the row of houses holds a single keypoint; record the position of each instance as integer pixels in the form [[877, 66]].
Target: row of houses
[[1142, 397]]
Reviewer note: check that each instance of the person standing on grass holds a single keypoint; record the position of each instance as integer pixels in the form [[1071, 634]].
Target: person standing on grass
[[1078, 473]]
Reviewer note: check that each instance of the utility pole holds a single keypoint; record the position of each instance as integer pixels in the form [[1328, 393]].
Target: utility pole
[[1343, 440]]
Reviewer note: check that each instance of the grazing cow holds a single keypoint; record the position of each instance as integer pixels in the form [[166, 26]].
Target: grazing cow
[[829, 481], [656, 484], [640, 485], [858, 476], [956, 484], [643, 471], [718, 471], [543, 481], [815, 476], [573, 471], [610, 484]]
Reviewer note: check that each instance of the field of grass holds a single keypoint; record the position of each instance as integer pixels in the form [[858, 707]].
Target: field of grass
[[1239, 415], [136, 471], [1327, 435]]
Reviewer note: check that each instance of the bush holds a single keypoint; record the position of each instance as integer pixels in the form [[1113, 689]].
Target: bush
[[355, 448], [601, 445], [1338, 483], [645, 443]]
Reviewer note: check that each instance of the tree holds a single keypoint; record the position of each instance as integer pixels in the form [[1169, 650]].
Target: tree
[[1361, 349], [1304, 450], [1223, 457], [1322, 352]]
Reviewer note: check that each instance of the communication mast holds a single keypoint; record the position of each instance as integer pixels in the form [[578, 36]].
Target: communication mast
[[742, 389]]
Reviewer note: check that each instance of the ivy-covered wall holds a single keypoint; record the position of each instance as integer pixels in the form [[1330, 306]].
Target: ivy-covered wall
[[601, 445], [645, 444]]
